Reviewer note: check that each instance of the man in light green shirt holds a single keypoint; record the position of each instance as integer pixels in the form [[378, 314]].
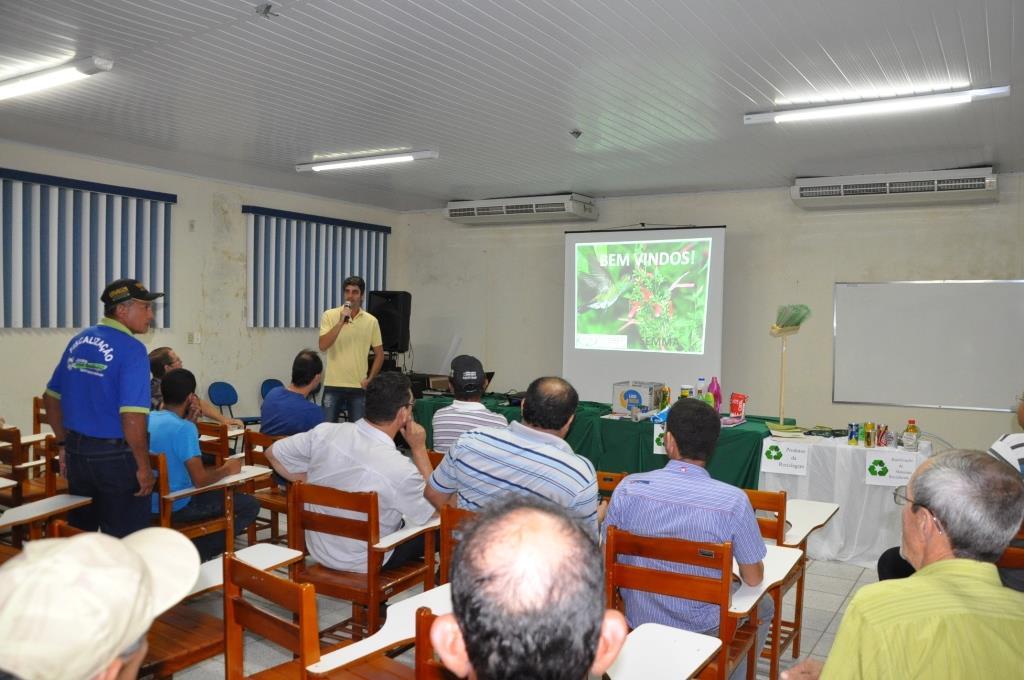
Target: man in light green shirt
[[953, 618]]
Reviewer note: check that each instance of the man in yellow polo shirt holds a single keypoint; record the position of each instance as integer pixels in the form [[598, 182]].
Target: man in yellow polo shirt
[[953, 618], [347, 334]]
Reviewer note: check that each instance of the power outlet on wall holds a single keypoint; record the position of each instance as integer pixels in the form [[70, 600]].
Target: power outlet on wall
[[194, 338]]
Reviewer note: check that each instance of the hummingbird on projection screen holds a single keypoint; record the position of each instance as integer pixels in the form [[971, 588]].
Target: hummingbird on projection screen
[[604, 292]]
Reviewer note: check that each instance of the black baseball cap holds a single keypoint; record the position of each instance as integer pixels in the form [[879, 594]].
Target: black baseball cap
[[123, 290], [467, 374]]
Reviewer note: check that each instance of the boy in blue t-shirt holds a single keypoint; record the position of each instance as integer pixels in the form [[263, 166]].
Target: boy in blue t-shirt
[[287, 410], [178, 439]]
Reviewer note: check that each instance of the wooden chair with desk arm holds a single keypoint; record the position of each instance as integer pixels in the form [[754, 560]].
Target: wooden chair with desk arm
[[33, 477], [266, 490], [738, 639], [185, 635], [771, 520], [366, 591], [214, 442]]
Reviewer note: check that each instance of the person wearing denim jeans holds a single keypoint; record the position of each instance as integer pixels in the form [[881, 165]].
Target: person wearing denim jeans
[[347, 333], [173, 435], [97, 400]]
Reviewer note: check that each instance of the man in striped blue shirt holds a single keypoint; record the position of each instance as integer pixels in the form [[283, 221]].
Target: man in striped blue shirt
[[529, 458], [682, 501]]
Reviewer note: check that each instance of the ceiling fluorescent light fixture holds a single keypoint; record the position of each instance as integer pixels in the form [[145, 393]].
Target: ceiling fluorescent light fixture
[[51, 77], [365, 161], [877, 107]]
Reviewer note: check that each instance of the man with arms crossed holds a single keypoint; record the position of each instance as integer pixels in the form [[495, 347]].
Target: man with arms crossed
[[681, 500], [528, 598], [96, 403], [361, 456], [529, 458], [953, 618], [163, 359], [346, 333]]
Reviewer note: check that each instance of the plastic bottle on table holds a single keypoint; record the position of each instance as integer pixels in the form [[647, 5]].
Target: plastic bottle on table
[[715, 390], [700, 388], [911, 436]]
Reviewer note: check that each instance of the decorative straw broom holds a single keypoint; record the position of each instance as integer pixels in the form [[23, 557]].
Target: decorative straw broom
[[787, 322]]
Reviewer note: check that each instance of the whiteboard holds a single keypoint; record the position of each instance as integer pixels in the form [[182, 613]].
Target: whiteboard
[[932, 344]]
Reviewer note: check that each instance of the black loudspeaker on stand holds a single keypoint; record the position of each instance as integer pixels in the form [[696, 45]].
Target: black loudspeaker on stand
[[392, 309]]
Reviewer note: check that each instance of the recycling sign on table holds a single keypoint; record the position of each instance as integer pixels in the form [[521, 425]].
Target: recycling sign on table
[[888, 467], [659, 440], [784, 457]]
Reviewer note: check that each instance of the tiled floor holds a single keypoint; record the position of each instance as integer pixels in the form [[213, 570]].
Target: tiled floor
[[830, 585]]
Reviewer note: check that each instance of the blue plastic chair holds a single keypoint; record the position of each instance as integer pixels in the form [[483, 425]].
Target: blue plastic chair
[[224, 394], [269, 384]]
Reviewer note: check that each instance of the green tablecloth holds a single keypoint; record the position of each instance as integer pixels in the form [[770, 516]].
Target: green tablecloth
[[625, 446]]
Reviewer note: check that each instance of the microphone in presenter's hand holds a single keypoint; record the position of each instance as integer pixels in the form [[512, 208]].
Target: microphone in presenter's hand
[[346, 311]]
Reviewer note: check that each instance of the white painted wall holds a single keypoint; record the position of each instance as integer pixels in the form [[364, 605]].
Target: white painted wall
[[500, 288], [208, 282]]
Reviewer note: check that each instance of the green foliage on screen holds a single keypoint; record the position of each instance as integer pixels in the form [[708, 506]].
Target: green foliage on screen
[[646, 296]]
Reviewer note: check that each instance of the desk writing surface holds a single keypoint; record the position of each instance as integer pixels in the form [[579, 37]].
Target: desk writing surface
[[626, 446], [399, 625], [653, 651], [777, 564], [41, 509]]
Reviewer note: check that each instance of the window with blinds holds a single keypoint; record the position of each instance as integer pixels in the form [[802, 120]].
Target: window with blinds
[[296, 264], [62, 240]]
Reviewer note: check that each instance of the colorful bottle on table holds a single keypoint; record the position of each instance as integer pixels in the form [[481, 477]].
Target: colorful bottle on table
[[715, 390], [911, 436]]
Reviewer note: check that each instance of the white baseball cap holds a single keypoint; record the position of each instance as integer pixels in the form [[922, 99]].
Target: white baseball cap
[[70, 606]]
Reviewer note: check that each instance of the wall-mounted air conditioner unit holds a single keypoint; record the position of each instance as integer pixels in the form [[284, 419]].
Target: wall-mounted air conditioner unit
[[557, 208], [901, 188]]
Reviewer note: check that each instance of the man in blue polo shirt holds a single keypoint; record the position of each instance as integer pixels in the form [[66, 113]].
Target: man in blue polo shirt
[[97, 401]]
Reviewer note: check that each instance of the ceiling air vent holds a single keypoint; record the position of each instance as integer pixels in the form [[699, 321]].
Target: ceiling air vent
[[940, 186], [559, 207]]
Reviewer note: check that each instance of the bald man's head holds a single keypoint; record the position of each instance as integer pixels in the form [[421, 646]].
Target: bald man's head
[[527, 592], [549, 403]]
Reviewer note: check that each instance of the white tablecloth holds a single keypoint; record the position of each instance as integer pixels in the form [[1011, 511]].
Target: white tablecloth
[[868, 521]]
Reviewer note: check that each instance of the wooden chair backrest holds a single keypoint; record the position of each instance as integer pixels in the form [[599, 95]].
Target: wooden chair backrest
[[38, 415], [713, 590], [773, 502], [435, 458], [607, 481], [427, 666], [452, 519], [297, 633], [302, 519], [254, 444], [14, 455], [158, 462], [219, 448]]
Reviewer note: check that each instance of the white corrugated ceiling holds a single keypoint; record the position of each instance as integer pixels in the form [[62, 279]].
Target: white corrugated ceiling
[[658, 88]]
